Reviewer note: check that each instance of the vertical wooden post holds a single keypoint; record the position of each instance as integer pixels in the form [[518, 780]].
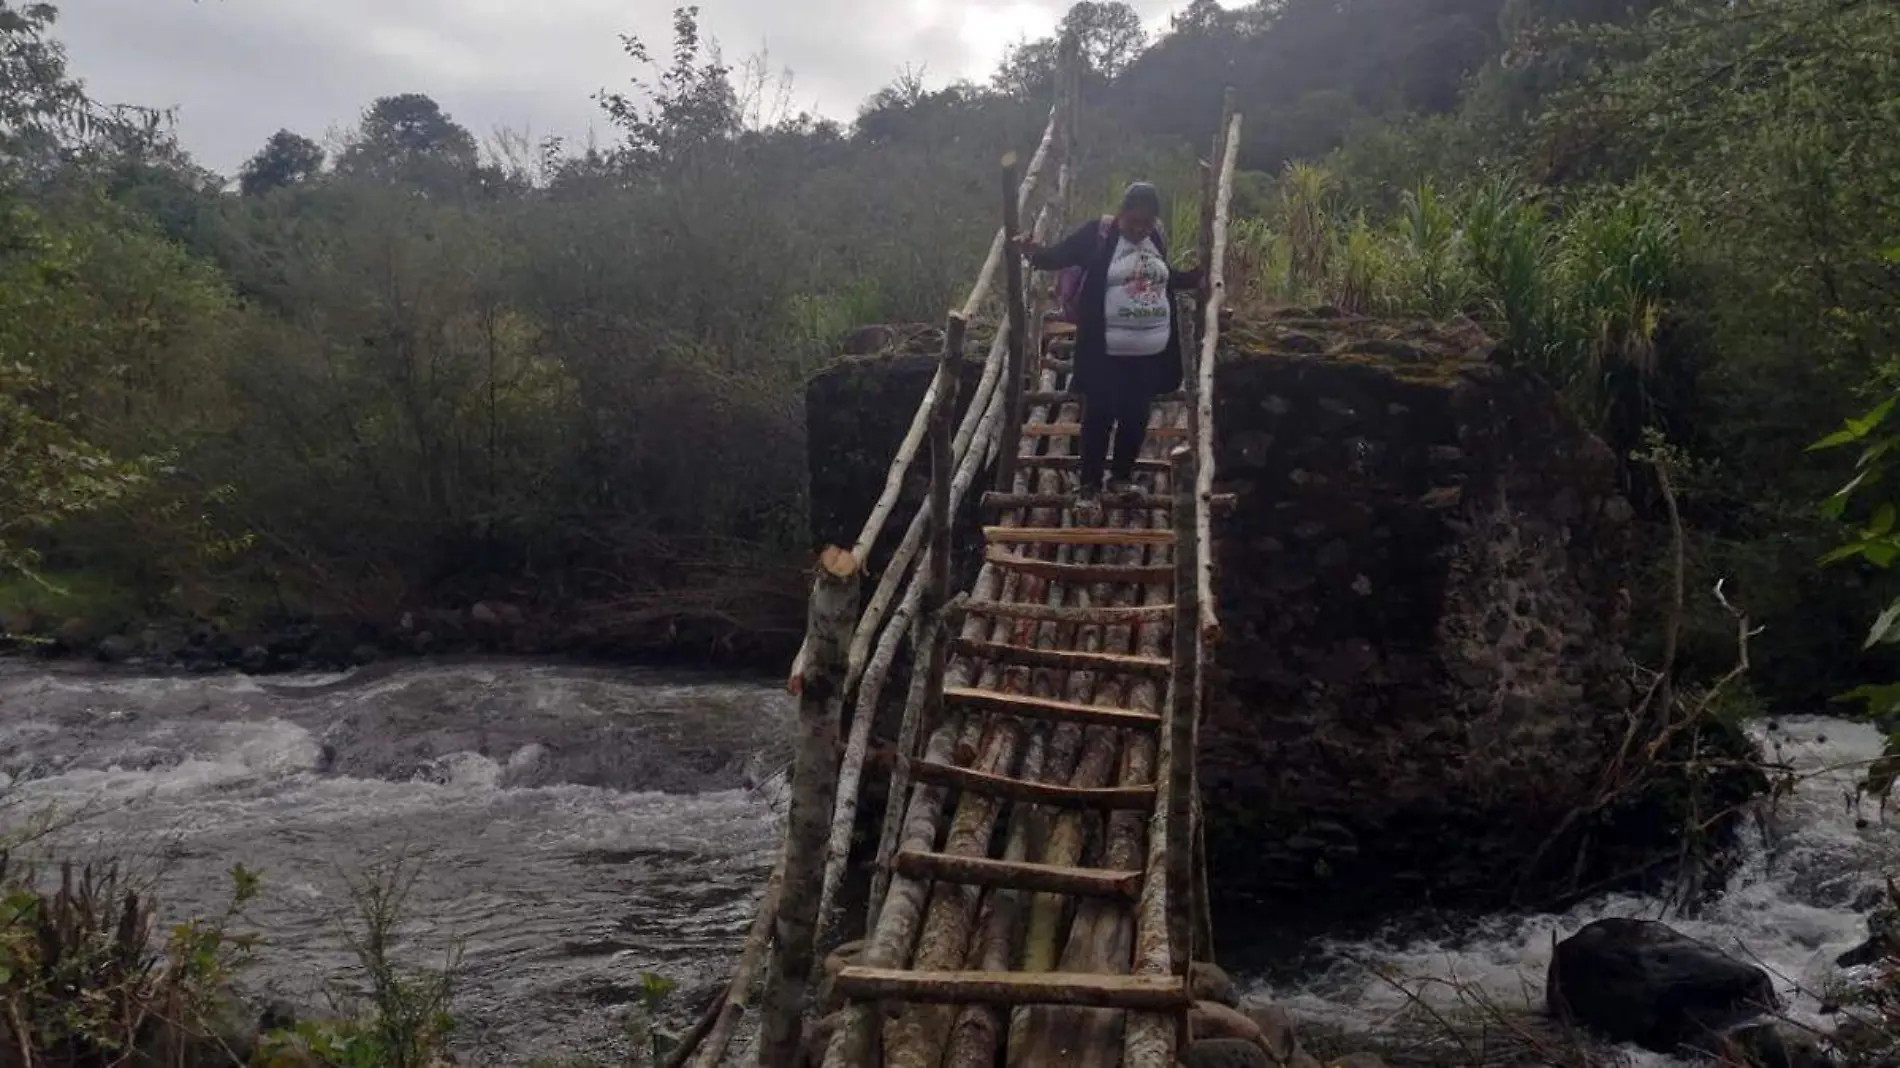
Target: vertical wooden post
[[1210, 189], [931, 643], [1180, 717], [831, 617], [1011, 438]]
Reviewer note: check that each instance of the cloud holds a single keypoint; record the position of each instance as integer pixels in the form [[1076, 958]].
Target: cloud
[[238, 70]]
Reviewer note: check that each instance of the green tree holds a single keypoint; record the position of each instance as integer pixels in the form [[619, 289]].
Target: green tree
[[408, 139], [285, 160]]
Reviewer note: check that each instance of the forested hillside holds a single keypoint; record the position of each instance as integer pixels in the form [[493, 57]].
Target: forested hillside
[[416, 372]]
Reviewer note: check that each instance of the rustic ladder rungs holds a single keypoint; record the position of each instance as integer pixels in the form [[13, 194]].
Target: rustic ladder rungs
[[1035, 397], [1017, 704], [1107, 616], [1150, 574], [1146, 993], [1072, 463], [1088, 798], [1019, 875], [1074, 430], [1065, 659], [1002, 502], [1078, 536]]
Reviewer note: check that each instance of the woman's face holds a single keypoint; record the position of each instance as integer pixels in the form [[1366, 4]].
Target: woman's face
[[1136, 224]]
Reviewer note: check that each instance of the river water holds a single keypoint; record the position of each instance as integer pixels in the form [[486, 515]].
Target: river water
[[575, 827]]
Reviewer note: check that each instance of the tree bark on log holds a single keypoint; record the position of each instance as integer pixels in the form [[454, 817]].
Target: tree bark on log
[[1203, 423], [833, 611]]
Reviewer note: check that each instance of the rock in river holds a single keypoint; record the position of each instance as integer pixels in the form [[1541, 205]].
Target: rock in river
[[1643, 982]]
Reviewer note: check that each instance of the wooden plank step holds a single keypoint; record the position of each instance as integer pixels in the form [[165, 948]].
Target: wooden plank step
[[1222, 503], [1017, 704], [1078, 536], [1088, 798], [1074, 463], [1145, 993], [1035, 397], [1019, 875], [1149, 574], [1065, 659], [1074, 430], [1002, 502], [1106, 616]]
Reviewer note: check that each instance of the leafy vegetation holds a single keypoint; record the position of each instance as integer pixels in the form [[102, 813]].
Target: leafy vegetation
[[425, 371]]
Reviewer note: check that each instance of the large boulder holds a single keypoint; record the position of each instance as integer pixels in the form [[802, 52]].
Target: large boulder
[[1644, 982]]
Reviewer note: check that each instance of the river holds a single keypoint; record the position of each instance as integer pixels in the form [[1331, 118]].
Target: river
[[576, 827], [573, 827]]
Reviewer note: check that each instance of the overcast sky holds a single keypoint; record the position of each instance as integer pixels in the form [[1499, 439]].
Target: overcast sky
[[239, 70]]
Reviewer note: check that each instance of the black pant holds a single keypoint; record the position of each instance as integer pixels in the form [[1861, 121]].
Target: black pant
[[1118, 404]]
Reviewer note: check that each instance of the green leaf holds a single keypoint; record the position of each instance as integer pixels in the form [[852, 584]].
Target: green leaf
[[1882, 522], [1884, 629], [1878, 698]]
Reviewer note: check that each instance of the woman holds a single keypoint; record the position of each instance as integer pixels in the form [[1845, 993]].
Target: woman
[[1127, 348]]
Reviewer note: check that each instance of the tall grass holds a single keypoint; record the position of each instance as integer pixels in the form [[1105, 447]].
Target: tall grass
[[1579, 297]]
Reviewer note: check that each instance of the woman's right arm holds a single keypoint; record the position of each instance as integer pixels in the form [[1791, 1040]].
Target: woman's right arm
[[1071, 251]]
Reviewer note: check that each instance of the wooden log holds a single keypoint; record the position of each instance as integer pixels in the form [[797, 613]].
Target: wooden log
[[1181, 712], [925, 700], [1079, 615], [1049, 708], [1204, 391], [968, 450], [857, 1043], [1074, 463], [1101, 937], [1020, 875], [1154, 993], [1054, 571], [1074, 430], [689, 1043], [977, 1032], [1221, 503], [833, 611], [739, 992], [1076, 536], [1088, 799], [1010, 443], [1064, 659], [1068, 396]]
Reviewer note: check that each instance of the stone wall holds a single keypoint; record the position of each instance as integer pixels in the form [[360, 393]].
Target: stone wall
[[1422, 596]]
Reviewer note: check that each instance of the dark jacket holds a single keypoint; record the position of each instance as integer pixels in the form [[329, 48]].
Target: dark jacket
[[1087, 248]]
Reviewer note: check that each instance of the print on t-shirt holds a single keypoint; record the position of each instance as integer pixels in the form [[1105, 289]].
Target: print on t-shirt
[[1138, 309]]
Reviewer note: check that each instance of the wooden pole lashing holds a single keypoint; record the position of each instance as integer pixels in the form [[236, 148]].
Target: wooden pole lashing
[[1011, 441], [832, 614]]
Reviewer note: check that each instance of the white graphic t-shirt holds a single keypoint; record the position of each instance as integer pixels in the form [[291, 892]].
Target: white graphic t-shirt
[[1138, 309]]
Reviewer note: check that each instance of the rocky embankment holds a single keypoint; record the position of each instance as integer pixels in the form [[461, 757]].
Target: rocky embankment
[[1424, 590]]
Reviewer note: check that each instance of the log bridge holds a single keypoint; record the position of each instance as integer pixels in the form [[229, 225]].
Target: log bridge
[[1040, 894]]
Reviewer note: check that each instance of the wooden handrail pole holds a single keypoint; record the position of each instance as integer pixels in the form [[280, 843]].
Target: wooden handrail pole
[[1180, 715], [924, 703], [1010, 440]]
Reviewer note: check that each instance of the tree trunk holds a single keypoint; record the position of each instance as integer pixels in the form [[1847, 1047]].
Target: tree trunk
[[834, 604]]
